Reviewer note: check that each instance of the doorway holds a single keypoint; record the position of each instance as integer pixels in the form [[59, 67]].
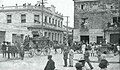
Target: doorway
[[114, 38], [84, 39], [99, 39]]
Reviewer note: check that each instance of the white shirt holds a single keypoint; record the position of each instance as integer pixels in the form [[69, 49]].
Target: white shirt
[[118, 47]]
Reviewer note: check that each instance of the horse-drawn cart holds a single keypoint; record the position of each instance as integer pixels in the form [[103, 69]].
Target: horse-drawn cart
[[37, 45], [42, 45]]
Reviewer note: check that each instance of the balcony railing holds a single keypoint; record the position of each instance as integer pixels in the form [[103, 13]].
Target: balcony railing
[[29, 7]]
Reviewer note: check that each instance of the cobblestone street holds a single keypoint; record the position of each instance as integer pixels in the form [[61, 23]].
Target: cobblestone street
[[39, 62]]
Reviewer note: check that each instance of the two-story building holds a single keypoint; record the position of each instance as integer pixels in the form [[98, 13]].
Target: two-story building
[[95, 20], [18, 21]]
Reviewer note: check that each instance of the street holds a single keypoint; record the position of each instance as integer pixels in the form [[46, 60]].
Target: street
[[39, 62]]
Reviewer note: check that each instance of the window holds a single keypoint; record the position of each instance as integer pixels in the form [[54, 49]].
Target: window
[[114, 19], [52, 36], [45, 34], [36, 19], [118, 19], [56, 22], [53, 21], [49, 19], [82, 6], [61, 23], [58, 38], [46, 19], [55, 36], [23, 18], [111, 7], [9, 18]]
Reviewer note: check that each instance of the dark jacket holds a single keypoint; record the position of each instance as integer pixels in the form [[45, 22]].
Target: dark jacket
[[65, 54], [3, 47], [86, 55], [50, 65]]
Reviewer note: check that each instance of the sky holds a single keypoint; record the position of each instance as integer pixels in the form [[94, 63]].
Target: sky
[[65, 7]]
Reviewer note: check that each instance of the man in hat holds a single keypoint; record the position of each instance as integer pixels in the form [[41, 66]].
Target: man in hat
[[4, 49], [50, 64], [65, 56]]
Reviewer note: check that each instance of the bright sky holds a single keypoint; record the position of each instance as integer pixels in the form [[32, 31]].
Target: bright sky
[[66, 7]]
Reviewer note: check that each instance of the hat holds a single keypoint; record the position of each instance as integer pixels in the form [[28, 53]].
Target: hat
[[49, 56]]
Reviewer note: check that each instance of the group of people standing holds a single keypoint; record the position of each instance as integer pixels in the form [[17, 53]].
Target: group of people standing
[[15, 50]]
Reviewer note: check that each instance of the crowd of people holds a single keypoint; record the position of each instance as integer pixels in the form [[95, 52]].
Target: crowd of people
[[88, 50], [14, 50]]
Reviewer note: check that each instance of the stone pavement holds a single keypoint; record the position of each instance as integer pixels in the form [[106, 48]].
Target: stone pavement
[[39, 62]]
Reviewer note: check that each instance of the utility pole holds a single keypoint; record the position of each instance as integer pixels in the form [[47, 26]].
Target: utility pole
[[67, 27], [42, 10]]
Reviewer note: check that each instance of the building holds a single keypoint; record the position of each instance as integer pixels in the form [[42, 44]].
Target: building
[[96, 20], [18, 21]]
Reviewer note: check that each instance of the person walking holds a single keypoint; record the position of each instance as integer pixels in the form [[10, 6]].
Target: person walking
[[86, 57], [115, 49], [65, 56], [50, 64], [71, 56]]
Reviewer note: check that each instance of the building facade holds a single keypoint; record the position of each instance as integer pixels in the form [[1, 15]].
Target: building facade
[[18, 21], [95, 20]]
